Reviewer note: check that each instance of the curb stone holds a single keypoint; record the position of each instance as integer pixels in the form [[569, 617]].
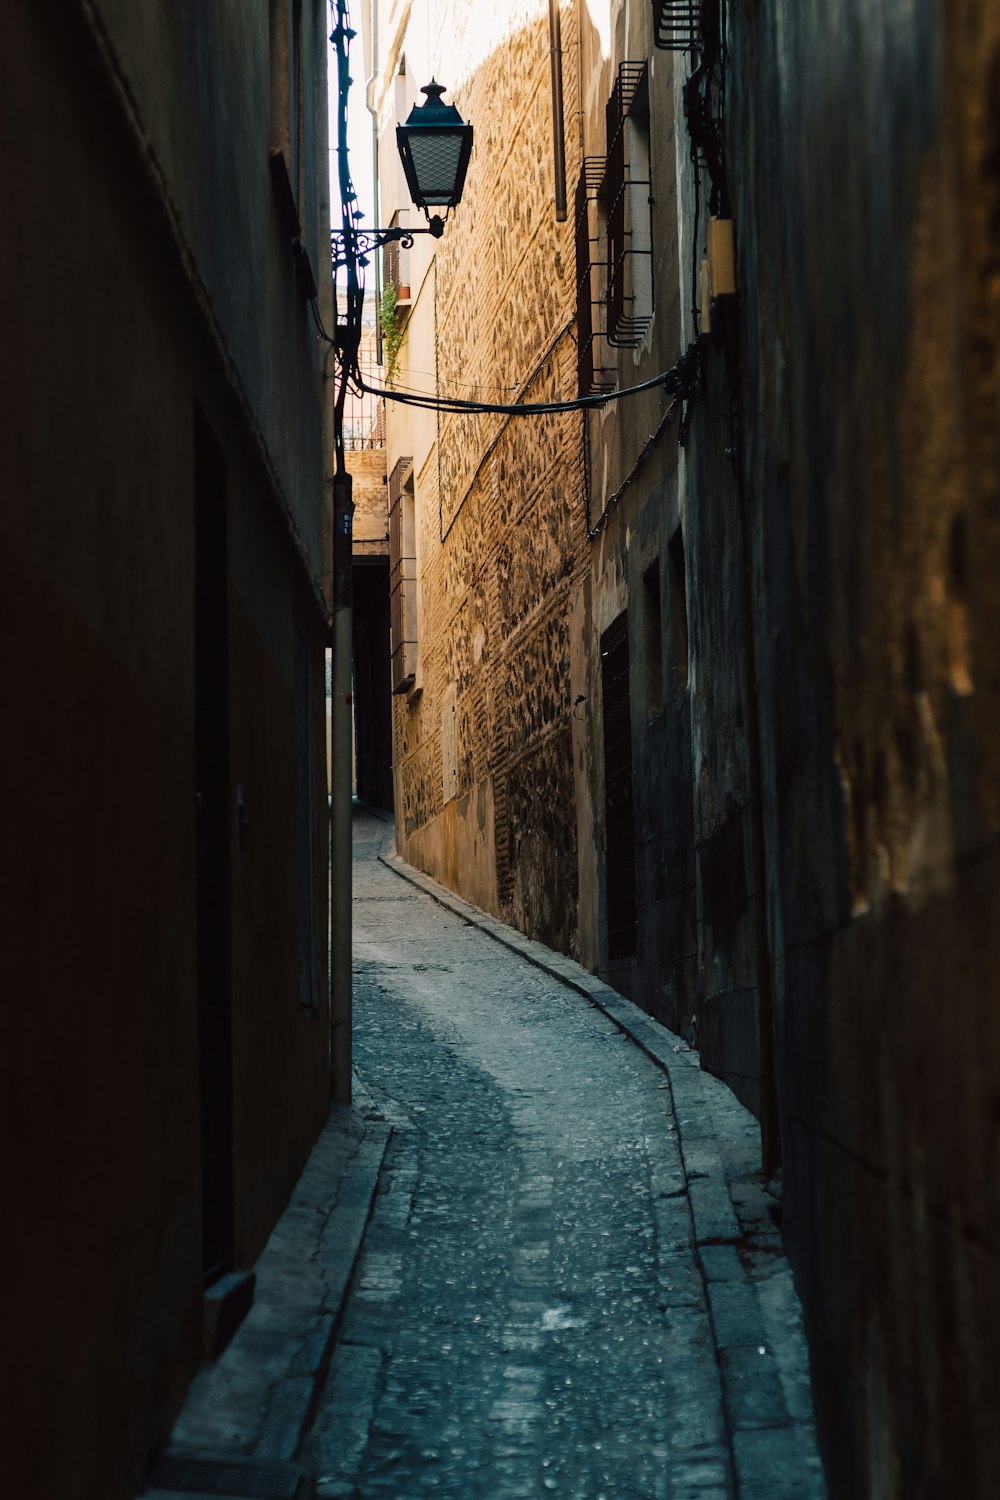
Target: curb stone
[[252, 1405], [754, 1312]]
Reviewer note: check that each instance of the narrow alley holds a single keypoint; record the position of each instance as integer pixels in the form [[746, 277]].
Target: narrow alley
[[570, 427], [552, 1294]]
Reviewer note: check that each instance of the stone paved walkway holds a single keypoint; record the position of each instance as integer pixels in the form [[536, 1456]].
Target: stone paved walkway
[[529, 1313], [533, 1258]]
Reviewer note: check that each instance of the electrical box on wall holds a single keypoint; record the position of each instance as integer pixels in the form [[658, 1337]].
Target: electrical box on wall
[[721, 257]]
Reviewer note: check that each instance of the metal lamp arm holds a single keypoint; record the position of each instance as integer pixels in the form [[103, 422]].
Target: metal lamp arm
[[364, 241]]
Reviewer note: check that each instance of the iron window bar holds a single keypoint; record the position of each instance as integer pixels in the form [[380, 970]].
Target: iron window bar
[[390, 264], [592, 378], [629, 99], [632, 88], [592, 174], [677, 25], [364, 428]]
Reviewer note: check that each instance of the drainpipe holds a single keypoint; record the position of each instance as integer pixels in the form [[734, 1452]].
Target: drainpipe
[[558, 139], [376, 217], [341, 706]]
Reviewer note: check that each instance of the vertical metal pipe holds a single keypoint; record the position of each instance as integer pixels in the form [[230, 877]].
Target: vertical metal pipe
[[341, 803], [372, 109], [558, 138]]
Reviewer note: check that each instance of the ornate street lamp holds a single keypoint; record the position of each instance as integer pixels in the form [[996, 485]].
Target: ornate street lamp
[[434, 145]]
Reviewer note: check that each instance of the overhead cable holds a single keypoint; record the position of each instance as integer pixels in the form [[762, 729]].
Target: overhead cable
[[678, 381]]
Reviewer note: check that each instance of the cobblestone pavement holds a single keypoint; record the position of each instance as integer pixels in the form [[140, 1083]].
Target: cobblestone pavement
[[530, 1313]]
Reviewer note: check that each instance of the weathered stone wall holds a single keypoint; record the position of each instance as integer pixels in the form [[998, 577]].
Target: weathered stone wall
[[864, 161], [503, 564], [500, 516], [817, 810], [634, 528], [371, 503]]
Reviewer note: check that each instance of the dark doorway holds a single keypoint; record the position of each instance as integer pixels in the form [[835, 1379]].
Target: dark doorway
[[372, 695], [211, 771], [619, 816]]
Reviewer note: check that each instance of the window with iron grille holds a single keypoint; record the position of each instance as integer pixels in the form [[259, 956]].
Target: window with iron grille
[[677, 24], [593, 363], [626, 193], [396, 263], [402, 576]]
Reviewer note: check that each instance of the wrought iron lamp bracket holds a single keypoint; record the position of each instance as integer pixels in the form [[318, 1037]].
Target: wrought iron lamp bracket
[[364, 241]]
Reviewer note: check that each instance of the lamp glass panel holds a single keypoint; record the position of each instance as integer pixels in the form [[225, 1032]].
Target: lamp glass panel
[[435, 164]]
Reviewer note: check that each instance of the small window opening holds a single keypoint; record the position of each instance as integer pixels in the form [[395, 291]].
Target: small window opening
[[626, 192]]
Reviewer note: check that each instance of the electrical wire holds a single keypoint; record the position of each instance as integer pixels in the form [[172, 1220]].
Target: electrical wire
[[675, 380], [318, 320], [682, 381], [633, 473], [348, 332]]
